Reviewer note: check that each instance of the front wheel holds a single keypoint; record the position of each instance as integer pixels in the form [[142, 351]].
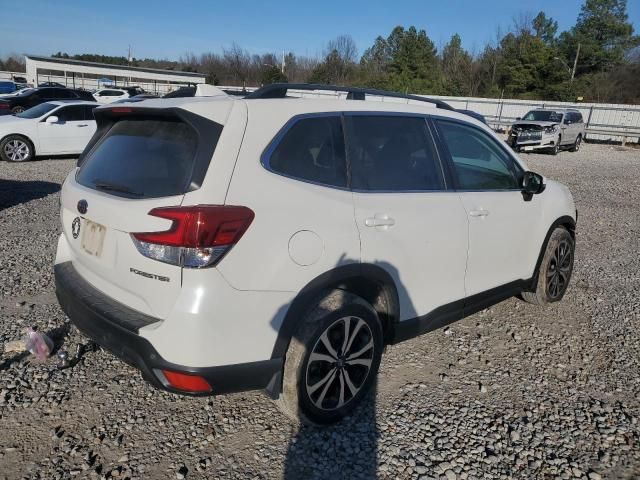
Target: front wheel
[[576, 145], [332, 361], [15, 148], [556, 148], [555, 269]]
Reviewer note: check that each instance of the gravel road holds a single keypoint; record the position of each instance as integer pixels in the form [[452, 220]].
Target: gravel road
[[515, 391]]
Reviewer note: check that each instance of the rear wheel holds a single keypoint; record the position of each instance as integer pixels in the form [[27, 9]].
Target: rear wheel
[[576, 145], [16, 148], [17, 109], [555, 269], [332, 360]]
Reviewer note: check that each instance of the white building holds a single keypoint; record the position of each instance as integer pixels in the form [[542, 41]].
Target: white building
[[91, 75]]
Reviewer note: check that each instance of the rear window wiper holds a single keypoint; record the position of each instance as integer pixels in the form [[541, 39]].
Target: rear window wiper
[[114, 187]]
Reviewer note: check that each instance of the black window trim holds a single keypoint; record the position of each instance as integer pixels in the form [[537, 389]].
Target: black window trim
[[364, 113], [442, 145], [265, 157]]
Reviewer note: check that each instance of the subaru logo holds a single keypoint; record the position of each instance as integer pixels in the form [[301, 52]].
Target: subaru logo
[[82, 206]]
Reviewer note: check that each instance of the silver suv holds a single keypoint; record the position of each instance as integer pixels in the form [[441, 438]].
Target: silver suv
[[548, 130]]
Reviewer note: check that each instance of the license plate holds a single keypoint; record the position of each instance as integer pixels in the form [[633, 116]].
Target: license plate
[[92, 238]]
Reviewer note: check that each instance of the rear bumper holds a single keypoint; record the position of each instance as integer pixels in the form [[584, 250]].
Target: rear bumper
[[115, 327]]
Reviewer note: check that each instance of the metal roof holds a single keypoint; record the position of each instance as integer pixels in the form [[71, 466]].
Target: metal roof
[[113, 67]]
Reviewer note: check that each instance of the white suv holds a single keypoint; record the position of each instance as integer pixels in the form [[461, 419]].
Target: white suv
[[222, 244]]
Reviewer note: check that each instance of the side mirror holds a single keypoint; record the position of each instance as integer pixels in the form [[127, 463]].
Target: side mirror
[[532, 183], [52, 119]]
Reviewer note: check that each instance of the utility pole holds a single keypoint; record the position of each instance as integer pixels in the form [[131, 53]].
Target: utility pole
[[282, 61], [129, 63], [575, 64]]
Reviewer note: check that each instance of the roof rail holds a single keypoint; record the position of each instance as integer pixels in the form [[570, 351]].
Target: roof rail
[[279, 90]]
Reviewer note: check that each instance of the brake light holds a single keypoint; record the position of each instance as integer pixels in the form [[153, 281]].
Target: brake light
[[4, 105], [186, 382], [122, 110], [198, 237]]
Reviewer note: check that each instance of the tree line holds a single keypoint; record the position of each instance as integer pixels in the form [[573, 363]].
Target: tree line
[[530, 60]]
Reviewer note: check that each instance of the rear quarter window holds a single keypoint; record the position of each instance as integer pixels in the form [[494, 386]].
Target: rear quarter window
[[142, 158]]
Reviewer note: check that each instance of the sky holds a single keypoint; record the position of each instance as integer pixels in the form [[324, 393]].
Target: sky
[[165, 29]]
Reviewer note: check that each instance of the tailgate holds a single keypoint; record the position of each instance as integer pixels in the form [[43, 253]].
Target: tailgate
[[104, 253], [139, 159]]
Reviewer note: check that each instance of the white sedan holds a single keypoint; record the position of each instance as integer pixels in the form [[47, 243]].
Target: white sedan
[[52, 128]]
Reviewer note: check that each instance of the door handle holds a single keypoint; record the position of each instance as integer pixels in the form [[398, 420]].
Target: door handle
[[85, 125], [479, 213], [379, 221]]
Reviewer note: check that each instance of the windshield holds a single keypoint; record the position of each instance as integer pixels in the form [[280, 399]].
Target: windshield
[[543, 116], [37, 111]]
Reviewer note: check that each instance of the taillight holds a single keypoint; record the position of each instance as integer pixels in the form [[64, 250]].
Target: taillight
[[4, 105], [186, 382], [198, 237]]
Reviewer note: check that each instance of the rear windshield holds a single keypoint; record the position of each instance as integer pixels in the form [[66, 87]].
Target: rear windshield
[[142, 158]]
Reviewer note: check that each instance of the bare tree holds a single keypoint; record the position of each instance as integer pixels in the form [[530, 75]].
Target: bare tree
[[345, 47], [238, 61]]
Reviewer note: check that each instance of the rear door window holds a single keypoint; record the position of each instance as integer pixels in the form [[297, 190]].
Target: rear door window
[[142, 158], [312, 149], [392, 153]]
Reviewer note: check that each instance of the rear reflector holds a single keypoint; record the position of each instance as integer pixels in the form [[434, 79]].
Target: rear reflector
[[198, 237], [186, 382], [121, 110]]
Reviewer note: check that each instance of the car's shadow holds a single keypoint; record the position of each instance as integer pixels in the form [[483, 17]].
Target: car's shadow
[[15, 192]]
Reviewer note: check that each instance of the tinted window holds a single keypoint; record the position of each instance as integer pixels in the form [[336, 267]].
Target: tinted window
[[110, 93], [392, 153], [142, 158], [37, 111], [312, 149], [70, 114], [479, 161], [579, 117]]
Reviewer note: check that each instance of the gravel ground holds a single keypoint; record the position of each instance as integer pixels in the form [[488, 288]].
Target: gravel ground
[[515, 391]]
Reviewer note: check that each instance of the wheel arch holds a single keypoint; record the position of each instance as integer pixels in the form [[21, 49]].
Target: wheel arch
[[566, 222], [368, 281]]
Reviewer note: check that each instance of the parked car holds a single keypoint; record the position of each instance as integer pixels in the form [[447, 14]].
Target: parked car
[[51, 128], [225, 244], [7, 87], [548, 129], [29, 99], [110, 95]]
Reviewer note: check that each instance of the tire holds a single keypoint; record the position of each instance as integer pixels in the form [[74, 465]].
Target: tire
[[17, 109], [576, 145], [555, 269], [556, 148], [16, 148], [321, 385]]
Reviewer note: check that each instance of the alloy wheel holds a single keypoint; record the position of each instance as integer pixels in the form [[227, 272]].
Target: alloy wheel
[[559, 270], [16, 150], [339, 363], [578, 142]]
